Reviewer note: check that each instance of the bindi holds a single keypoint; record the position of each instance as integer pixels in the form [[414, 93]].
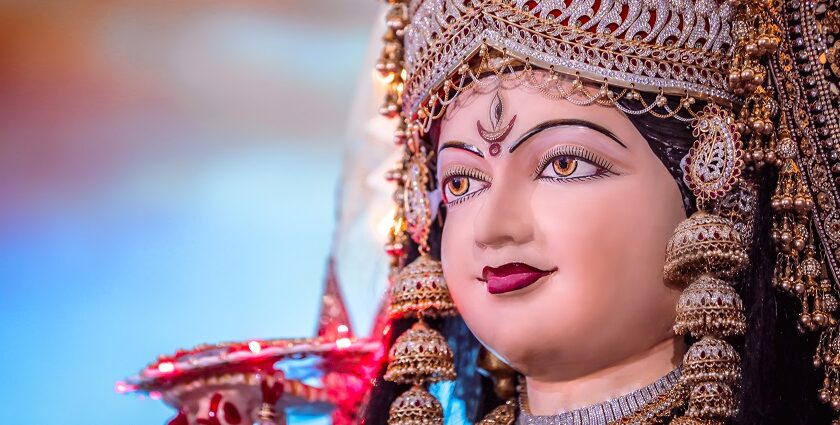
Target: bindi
[[497, 131]]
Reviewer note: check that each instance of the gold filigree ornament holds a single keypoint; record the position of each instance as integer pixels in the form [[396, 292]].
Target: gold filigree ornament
[[419, 288], [710, 305], [704, 250], [712, 367], [390, 63], [419, 355], [418, 210], [704, 244], [415, 407], [714, 163], [504, 414]]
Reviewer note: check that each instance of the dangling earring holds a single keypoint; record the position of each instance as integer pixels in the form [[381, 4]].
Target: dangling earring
[[415, 407], [704, 251], [421, 354], [419, 287]]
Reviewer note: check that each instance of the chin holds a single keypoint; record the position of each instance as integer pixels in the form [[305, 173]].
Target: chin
[[520, 337], [523, 355]]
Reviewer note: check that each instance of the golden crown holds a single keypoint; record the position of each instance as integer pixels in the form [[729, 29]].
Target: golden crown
[[675, 46]]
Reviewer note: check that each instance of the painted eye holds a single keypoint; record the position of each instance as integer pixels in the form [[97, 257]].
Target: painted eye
[[459, 188], [564, 166], [458, 185], [571, 168]]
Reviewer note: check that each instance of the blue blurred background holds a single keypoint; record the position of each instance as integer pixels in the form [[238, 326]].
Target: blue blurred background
[[168, 177]]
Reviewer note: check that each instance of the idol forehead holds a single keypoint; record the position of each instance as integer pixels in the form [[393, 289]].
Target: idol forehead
[[533, 131]]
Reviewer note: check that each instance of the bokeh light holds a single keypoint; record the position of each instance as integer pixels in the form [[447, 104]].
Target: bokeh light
[[168, 177]]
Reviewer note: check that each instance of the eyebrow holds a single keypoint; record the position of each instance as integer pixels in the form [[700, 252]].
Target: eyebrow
[[563, 122], [461, 145]]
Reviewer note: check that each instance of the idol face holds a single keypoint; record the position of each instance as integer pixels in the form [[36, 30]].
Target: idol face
[[557, 219]]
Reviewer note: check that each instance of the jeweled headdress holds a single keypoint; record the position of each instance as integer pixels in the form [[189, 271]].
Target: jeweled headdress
[[757, 80]]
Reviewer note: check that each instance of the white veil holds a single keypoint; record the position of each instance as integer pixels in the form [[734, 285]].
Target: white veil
[[365, 197]]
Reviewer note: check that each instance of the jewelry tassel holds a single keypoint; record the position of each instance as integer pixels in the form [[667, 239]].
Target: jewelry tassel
[[709, 309], [415, 407], [390, 64], [421, 354], [798, 271], [704, 251]]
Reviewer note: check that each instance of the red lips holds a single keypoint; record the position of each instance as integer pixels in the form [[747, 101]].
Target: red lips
[[511, 277]]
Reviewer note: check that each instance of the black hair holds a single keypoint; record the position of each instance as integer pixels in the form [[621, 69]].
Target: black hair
[[779, 384]]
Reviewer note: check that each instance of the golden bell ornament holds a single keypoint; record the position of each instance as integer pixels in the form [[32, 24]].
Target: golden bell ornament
[[420, 354], [415, 407], [704, 244], [711, 367], [710, 306], [711, 359], [419, 288], [712, 400]]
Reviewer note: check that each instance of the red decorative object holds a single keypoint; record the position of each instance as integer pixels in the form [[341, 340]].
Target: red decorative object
[[272, 389], [232, 383], [333, 320], [181, 419]]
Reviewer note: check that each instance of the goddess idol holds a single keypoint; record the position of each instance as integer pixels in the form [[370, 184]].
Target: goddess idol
[[613, 211]]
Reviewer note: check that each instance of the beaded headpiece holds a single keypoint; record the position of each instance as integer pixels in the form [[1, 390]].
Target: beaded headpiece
[[756, 79], [676, 46]]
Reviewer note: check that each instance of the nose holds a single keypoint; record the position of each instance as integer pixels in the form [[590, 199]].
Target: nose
[[506, 217]]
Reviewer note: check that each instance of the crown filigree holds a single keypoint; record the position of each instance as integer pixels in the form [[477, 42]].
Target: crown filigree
[[668, 46]]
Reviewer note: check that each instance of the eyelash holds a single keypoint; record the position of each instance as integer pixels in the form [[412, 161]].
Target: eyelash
[[577, 152], [605, 169], [461, 171]]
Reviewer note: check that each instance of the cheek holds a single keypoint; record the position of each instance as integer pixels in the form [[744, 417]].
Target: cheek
[[608, 240], [604, 230], [461, 268], [457, 252]]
